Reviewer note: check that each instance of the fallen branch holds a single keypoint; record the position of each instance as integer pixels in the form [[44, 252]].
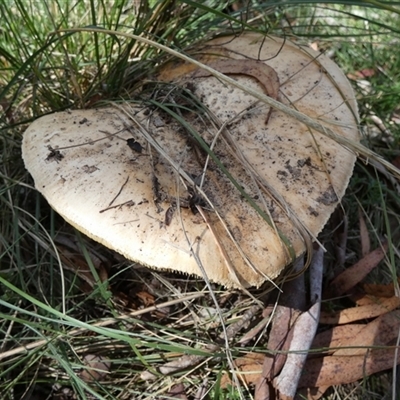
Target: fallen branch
[[303, 335], [292, 300]]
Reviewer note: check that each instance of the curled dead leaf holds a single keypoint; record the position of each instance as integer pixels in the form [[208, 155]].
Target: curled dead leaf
[[356, 273], [96, 368]]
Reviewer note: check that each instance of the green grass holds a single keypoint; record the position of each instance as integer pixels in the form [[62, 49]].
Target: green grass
[[49, 310]]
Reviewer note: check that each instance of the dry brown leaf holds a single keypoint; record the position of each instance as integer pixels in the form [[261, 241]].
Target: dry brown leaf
[[146, 298], [353, 275], [184, 362], [380, 332], [279, 339], [380, 290], [334, 337], [77, 263], [251, 366], [249, 335], [364, 300], [382, 306], [361, 74], [366, 72], [283, 322], [176, 392], [338, 370], [248, 369], [96, 369], [292, 300], [261, 72]]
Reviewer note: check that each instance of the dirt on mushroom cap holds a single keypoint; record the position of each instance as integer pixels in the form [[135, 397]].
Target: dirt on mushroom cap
[[136, 203]]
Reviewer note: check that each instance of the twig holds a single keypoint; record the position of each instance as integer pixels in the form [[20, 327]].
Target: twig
[[119, 192], [280, 337], [303, 334]]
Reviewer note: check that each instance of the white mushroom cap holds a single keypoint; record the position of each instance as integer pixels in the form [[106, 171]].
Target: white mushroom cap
[[108, 191]]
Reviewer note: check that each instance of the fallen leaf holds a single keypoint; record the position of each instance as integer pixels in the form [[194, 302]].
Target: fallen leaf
[[334, 337], [352, 77], [249, 335], [380, 332], [96, 369], [146, 298], [279, 339], [261, 72], [338, 370], [353, 275], [184, 362], [176, 392], [382, 306], [345, 365], [248, 370], [362, 74], [73, 260], [366, 72], [380, 290], [293, 300], [364, 299]]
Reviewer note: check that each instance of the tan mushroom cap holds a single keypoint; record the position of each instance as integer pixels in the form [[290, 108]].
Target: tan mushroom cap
[[109, 191]]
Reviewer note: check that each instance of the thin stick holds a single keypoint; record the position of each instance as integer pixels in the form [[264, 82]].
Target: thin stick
[[303, 335]]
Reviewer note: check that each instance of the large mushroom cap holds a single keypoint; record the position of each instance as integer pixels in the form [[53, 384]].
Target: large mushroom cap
[[146, 198]]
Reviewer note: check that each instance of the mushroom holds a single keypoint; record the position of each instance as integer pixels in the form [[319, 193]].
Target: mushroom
[[234, 192]]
